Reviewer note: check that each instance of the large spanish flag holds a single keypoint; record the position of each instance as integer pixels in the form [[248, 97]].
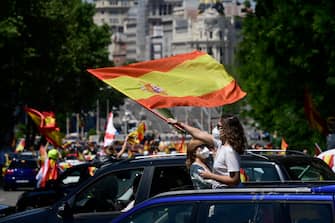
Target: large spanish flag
[[46, 123], [191, 79]]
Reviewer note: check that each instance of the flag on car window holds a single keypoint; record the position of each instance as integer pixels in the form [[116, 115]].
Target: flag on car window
[[46, 123], [190, 79]]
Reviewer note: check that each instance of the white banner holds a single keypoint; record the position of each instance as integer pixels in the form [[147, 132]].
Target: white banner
[[110, 131]]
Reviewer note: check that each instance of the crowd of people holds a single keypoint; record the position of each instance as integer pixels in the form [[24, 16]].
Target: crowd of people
[[213, 158], [53, 161]]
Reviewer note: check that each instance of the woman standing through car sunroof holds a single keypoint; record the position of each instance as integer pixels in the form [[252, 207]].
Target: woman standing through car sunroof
[[226, 167]]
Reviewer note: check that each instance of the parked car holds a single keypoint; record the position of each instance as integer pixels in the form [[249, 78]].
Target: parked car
[[268, 205], [111, 189], [117, 185], [20, 173], [267, 166], [56, 190]]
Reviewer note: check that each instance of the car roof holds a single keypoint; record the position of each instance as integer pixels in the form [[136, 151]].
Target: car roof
[[148, 160], [180, 158], [273, 189], [25, 161]]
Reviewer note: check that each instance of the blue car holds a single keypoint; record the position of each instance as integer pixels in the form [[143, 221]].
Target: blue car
[[239, 205], [20, 173]]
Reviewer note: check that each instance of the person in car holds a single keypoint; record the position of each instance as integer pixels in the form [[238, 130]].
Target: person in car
[[197, 157], [226, 166], [49, 170]]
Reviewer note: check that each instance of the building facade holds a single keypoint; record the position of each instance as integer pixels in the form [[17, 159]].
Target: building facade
[[151, 29]]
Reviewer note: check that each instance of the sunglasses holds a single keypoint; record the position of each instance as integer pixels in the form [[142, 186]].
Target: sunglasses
[[202, 146]]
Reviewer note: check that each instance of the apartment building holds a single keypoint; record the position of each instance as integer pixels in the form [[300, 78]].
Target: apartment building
[[152, 29]]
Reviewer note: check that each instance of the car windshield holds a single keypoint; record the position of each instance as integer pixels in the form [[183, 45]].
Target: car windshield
[[260, 172], [308, 170]]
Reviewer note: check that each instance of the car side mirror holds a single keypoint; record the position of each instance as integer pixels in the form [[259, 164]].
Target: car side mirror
[[64, 211]]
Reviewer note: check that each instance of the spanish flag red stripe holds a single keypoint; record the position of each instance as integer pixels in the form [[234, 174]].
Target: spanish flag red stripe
[[139, 69]]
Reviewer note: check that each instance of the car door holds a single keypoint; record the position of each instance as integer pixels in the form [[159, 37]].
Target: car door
[[106, 197], [280, 208]]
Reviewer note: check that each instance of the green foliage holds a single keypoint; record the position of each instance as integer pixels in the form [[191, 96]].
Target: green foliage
[[286, 46], [91, 132], [46, 46], [20, 131]]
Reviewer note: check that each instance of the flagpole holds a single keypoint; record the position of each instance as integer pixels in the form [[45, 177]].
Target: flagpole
[[67, 124], [98, 117], [77, 123], [162, 117]]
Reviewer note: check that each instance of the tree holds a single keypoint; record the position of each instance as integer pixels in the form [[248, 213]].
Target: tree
[[287, 46], [45, 48]]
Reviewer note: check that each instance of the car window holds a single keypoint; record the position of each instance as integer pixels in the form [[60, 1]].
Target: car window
[[23, 164], [275, 212], [310, 213], [176, 213], [112, 192], [241, 212], [170, 178], [309, 170], [261, 172], [73, 177]]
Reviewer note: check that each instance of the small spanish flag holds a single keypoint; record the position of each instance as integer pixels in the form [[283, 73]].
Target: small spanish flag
[[20, 146], [46, 123], [284, 144], [140, 131]]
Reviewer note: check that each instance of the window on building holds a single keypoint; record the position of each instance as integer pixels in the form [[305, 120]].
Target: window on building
[[210, 50], [114, 21], [181, 25], [221, 55], [170, 9], [210, 35], [160, 9], [113, 2]]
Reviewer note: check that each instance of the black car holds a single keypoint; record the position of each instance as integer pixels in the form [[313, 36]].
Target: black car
[[112, 188], [55, 190], [262, 166], [117, 185], [58, 189]]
